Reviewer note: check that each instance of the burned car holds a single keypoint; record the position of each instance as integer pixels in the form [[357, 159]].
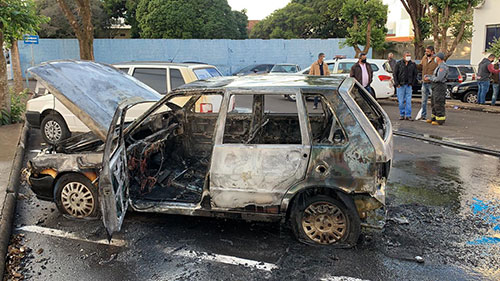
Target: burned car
[[324, 172]]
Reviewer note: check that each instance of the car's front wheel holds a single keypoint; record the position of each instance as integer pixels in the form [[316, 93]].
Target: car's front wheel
[[470, 97], [54, 128], [75, 195], [323, 220]]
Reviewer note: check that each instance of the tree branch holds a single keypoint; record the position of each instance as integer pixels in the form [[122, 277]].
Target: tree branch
[[368, 36], [71, 18]]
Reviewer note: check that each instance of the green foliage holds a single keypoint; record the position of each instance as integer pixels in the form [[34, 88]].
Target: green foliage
[[303, 19], [494, 47], [358, 15], [202, 19], [19, 17], [123, 9], [17, 108], [58, 26]]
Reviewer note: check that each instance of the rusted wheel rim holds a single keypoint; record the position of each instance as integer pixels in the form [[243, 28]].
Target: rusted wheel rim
[[77, 199], [324, 223], [53, 130]]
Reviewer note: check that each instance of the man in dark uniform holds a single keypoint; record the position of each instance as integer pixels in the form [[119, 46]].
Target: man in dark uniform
[[438, 80]]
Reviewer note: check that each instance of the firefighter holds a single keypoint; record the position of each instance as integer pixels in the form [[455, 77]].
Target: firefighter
[[438, 80]]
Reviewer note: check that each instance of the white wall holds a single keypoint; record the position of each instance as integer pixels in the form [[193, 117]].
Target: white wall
[[398, 19], [487, 14]]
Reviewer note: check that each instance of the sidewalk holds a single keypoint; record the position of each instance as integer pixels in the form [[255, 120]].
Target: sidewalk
[[9, 137], [467, 127]]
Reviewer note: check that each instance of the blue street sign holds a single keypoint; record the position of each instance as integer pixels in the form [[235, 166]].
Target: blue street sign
[[30, 39]]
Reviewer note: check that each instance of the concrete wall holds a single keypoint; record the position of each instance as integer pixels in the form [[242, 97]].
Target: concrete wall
[[228, 55], [485, 15]]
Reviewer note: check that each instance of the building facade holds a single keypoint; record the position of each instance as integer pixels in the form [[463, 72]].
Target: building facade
[[399, 25], [486, 29]]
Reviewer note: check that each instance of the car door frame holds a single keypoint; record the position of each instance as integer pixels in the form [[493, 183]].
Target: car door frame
[[223, 191]]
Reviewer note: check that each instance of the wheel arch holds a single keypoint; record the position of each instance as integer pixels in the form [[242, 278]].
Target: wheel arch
[[48, 111], [291, 199]]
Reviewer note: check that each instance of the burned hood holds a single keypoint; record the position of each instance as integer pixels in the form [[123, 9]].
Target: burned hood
[[92, 91]]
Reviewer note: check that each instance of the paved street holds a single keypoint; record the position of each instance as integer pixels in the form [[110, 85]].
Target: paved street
[[440, 207]]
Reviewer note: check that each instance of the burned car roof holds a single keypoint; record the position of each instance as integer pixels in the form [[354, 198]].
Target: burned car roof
[[266, 82], [92, 91]]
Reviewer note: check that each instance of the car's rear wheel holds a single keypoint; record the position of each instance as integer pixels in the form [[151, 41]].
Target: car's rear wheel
[[75, 195], [323, 220], [54, 128], [470, 97]]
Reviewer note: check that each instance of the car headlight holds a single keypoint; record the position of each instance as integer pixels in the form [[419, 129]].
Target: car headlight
[[455, 89]]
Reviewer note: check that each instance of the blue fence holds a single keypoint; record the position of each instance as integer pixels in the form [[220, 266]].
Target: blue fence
[[227, 55]]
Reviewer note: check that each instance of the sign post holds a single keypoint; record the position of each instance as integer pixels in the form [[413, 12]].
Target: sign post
[[30, 40]]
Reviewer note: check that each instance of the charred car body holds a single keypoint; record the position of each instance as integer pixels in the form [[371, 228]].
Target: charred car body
[[322, 171]]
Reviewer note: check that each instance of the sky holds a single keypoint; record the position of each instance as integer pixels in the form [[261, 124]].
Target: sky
[[257, 9]]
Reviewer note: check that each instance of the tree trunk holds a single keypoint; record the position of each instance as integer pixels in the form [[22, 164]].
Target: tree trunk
[[86, 48], [16, 68], [4, 89]]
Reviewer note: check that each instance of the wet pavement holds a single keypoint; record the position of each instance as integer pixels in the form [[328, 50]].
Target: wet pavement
[[443, 206]]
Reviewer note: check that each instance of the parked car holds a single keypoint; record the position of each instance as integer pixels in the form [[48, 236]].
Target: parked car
[[57, 122], [285, 68], [457, 75], [467, 92], [382, 77], [322, 172], [254, 69]]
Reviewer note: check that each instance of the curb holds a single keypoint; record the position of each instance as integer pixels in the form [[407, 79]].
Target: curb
[[9, 207], [464, 106]]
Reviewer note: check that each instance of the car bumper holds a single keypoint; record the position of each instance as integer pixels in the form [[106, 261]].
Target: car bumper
[[43, 187], [33, 118]]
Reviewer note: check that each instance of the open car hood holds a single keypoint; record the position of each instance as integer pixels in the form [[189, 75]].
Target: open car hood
[[92, 91]]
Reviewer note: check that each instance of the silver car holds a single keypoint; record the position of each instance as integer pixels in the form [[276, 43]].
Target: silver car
[[322, 172]]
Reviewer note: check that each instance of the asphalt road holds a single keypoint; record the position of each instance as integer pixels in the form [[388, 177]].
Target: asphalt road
[[443, 206]]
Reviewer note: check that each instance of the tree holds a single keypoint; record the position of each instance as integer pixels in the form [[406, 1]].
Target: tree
[[366, 19], [421, 27], [203, 19], [450, 17], [17, 17], [241, 20], [494, 47], [293, 21], [59, 27], [303, 19], [81, 23], [124, 9]]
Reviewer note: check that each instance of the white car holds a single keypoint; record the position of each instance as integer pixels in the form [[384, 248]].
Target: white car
[[57, 122], [382, 79]]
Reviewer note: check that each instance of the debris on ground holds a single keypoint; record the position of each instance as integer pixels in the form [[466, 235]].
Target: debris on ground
[[16, 255]]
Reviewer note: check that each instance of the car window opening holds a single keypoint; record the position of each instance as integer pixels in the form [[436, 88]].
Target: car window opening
[[325, 127], [169, 154], [369, 108]]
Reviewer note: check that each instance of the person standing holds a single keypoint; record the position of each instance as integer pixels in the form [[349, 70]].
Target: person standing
[[495, 83], [427, 66], [391, 61], [319, 67], [438, 100], [363, 73], [483, 77], [405, 75]]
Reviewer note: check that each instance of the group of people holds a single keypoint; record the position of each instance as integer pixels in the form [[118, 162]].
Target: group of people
[[361, 71], [434, 76], [488, 72]]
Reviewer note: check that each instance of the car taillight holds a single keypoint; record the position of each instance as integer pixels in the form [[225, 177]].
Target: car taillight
[[384, 77], [460, 78], [206, 107]]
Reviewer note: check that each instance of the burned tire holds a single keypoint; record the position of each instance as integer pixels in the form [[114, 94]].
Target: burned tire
[[323, 220], [54, 128], [75, 195]]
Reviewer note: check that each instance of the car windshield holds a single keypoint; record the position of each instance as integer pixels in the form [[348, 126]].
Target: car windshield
[[205, 73], [288, 68], [466, 69], [246, 69]]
